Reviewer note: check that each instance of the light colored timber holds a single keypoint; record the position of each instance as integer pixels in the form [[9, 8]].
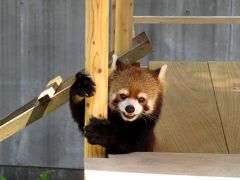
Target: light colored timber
[[123, 26], [189, 120], [33, 110], [226, 82], [50, 90], [96, 64], [155, 166], [113, 21], [186, 19]]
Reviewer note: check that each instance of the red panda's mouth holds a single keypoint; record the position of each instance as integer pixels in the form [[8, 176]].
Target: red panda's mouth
[[129, 116]]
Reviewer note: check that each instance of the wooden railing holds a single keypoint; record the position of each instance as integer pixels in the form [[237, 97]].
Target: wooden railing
[[186, 19]]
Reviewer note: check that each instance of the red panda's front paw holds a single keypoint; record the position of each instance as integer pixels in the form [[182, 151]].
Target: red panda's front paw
[[100, 132], [83, 86]]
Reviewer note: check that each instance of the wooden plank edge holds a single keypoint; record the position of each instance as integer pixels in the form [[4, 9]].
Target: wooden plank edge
[[186, 19], [176, 165], [50, 90]]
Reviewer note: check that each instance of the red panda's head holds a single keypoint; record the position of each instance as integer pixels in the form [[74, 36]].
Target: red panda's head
[[135, 92]]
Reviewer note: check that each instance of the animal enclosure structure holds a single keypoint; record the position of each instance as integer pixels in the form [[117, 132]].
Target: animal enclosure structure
[[200, 112]]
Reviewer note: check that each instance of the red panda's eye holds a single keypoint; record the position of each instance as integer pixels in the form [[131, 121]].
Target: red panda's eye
[[141, 100], [123, 96]]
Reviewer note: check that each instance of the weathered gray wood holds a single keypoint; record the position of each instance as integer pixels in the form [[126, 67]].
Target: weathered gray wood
[[234, 53], [50, 42]]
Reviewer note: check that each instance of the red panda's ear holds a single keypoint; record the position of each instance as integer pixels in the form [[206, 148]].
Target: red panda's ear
[[114, 61], [116, 64], [120, 66], [160, 73]]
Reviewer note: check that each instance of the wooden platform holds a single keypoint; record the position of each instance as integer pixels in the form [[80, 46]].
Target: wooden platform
[[201, 108], [155, 166]]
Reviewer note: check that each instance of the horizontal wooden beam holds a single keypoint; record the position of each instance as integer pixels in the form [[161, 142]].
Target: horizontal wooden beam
[[35, 109], [186, 19], [154, 166]]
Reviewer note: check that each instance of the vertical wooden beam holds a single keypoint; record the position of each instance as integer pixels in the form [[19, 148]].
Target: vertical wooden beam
[[113, 23], [123, 27], [96, 52]]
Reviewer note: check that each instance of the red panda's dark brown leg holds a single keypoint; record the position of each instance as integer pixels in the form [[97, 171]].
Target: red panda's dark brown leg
[[81, 88]]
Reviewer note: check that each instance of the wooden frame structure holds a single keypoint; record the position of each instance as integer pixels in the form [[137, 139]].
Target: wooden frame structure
[[97, 20]]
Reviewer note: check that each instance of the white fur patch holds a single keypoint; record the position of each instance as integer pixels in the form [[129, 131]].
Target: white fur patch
[[113, 96], [162, 73], [123, 91], [144, 95], [151, 106], [138, 108], [114, 62]]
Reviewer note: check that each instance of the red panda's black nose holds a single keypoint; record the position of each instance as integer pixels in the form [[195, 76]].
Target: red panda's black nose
[[130, 109]]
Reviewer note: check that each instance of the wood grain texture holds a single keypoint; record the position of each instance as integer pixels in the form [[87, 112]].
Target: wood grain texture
[[96, 64], [186, 19], [113, 23], [189, 120], [226, 82], [166, 166], [123, 26]]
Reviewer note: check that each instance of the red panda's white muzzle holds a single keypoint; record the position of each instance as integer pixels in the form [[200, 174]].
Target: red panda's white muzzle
[[130, 109]]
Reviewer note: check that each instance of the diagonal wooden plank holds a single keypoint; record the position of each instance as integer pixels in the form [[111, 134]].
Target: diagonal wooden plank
[[189, 121], [226, 82]]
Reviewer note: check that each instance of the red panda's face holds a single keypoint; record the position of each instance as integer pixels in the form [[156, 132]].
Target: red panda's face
[[134, 92], [131, 103]]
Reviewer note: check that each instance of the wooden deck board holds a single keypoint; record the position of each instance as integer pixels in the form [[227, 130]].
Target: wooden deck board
[[189, 120], [156, 165], [226, 81]]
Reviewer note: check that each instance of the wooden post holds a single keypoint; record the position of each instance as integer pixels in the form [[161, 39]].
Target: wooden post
[[123, 26], [96, 64], [113, 23]]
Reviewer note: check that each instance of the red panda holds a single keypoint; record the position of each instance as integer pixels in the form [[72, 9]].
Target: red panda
[[135, 101]]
